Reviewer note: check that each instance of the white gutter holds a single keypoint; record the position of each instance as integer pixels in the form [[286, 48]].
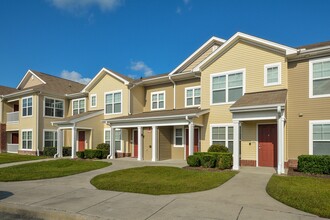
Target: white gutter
[[1, 107], [110, 151], [37, 134], [174, 88], [24, 92]]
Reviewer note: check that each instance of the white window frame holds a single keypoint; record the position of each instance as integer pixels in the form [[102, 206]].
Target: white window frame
[[85, 110], [26, 130], [279, 74], [121, 141], [44, 135], [311, 62], [243, 71], [193, 97], [158, 93], [113, 106], [225, 125], [91, 101], [105, 130], [311, 138], [47, 116], [26, 116], [183, 136]]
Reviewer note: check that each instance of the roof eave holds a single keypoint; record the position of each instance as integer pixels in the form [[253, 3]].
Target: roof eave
[[257, 108]]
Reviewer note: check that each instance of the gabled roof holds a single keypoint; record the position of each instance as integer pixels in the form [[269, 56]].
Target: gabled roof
[[315, 45], [4, 90], [125, 79], [249, 38]]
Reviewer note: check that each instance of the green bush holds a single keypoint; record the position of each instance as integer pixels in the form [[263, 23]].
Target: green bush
[[96, 153], [194, 161], [314, 164], [224, 161], [104, 146], [67, 151], [81, 154], [50, 151], [217, 148], [208, 160]]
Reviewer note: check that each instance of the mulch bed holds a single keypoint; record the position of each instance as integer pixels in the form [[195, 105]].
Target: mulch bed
[[294, 172], [203, 169]]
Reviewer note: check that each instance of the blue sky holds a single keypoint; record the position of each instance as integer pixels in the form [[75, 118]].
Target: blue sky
[[76, 38]]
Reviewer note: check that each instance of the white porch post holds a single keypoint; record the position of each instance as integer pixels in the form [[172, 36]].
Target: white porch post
[[140, 145], [154, 143], [59, 142], [236, 146], [112, 143], [191, 138], [280, 144], [74, 141]]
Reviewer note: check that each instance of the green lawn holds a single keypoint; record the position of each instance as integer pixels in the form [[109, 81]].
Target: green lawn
[[309, 194], [49, 169], [10, 158], [160, 180]]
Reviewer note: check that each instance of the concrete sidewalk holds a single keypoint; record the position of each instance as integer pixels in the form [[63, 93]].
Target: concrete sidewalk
[[73, 197]]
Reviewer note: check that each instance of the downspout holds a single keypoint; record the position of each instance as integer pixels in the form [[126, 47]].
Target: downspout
[[174, 88], [37, 133], [110, 151]]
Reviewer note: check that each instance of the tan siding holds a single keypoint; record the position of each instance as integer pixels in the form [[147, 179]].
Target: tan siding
[[169, 96], [32, 81], [147, 142], [138, 99], [180, 91], [300, 103], [96, 127], [164, 143], [198, 60], [177, 152], [248, 141]]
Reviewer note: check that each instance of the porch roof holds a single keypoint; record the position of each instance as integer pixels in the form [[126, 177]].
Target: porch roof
[[78, 117], [260, 100]]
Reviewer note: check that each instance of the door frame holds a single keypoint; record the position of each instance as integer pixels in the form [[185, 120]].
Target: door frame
[[257, 139], [132, 143], [186, 130]]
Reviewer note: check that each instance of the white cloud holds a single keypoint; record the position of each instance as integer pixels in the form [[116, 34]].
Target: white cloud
[[132, 76], [83, 5], [141, 66], [74, 76]]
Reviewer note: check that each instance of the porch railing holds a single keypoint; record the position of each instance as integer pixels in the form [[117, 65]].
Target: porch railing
[[12, 148], [12, 116]]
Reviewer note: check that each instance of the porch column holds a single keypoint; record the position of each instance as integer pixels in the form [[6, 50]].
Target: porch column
[[236, 146], [280, 144], [74, 142], [59, 142], [112, 143], [191, 138], [154, 144], [140, 144]]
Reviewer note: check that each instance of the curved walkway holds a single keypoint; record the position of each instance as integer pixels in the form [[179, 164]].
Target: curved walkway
[[73, 197]]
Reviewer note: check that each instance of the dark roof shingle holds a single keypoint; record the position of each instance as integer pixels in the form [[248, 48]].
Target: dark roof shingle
[[4, 90]]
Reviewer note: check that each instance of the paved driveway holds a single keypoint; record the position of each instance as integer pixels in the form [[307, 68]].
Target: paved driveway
[[73, 197]]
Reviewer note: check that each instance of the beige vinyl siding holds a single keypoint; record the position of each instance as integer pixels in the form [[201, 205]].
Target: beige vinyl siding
[[32, 81], [248, 141], [164, 143], [169, 95], [137, 99], [147, 143], [300, 103], [178, 152], [180, 90], [94, 125]]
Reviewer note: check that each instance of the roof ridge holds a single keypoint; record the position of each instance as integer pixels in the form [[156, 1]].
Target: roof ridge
[[47, 74]]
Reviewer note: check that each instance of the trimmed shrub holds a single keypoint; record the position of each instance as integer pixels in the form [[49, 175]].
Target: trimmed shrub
[[95, 153], [81, 154], [50, 151], [67, 151], [224, 161], [104, 146], [194, 161], [217, 148], [208, 160], [317, 164]]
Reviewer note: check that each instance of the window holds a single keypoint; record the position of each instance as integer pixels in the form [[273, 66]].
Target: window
[[27, 106], [272, 74], [319, 137], [223, 135], [178, 137], [50, 139], [54, 107], [158, 100], [113, 102], [107, 138], [319, 78], [227, 87], [78, 106], [27, 140], [193, 96], [93, 100]]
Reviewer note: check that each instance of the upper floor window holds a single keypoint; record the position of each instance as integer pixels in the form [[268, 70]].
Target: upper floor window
[[54, 107], [227, 87], [319, 137], [27, 106], [158, 100], [193, 96], [319, 78], [223, 135], [113, 102], [27, 139], [272, 74], [78, 106], [93, 100]]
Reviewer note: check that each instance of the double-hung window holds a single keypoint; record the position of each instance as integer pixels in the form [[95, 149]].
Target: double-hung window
[[193, 96], [107, 138], [78, 106], [223, 135], [178, 137], [158, 100], [27, 140], [227, 87], [54, 107], [27, 106], [93, 100], [272, 74], [50, 138], [319, 137], [319, 78], [113, 102]]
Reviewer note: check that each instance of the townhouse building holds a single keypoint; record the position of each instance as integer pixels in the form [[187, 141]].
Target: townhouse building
[[267, 102]]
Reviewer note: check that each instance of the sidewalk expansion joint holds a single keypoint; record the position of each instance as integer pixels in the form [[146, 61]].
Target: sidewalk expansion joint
[[52, 197], [160, 209], [239, 213]]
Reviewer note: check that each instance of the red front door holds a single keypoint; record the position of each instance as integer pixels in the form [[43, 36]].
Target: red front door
[[81, 141], [14, 138], [135, 142], [196, 140], [267, 149]]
